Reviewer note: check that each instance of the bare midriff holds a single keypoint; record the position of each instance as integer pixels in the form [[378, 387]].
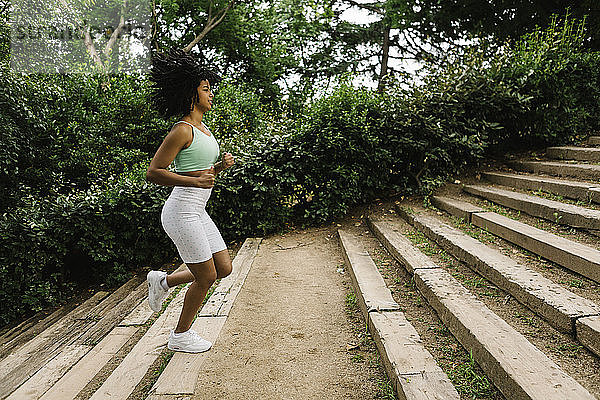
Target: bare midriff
[[194, 173]]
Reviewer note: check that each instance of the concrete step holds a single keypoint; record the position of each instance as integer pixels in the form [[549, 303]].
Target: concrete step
[[410, 367], [581, 171], [76, 364], [557, 305], [180, 375], [572, 255], [516, 367], [369, 285], [587, 333], [14, 337], [458, 208], [573, 153], [65, 375], [125, 377], [571, 189], [594, 141], [18, 366], [555, 211]]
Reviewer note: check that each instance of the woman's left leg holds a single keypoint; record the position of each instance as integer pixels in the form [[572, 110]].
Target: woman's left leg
[[222, 265]]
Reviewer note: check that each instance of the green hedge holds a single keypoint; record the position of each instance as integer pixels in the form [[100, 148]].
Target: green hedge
[[541, 90], [49, 246], [76, 208]]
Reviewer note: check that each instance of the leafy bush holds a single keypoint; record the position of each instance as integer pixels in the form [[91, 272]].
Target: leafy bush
[[24, 136], [552, 68], [238, 114], [50, 246], [541, 90], [344, 159], [356, 145], [75, 207], [254, 197], [63, 132]]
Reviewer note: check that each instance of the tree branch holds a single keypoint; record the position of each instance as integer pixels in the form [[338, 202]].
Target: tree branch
[[5, 8], [117, 31], [402, 58], [410, 39], [367, 6], [154, 26], [210, 24], [384, 58]]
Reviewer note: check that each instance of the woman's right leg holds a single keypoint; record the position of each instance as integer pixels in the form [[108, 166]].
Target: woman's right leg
[[204, 274], [178, 278]]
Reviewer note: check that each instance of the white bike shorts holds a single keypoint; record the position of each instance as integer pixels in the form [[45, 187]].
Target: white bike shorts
[[185, 220]]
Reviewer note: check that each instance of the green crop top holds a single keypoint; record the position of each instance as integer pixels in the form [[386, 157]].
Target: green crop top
[[201, 154]]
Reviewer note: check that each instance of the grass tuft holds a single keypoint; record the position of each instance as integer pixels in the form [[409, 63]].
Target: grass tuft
[[351, 300], [469, 382], [385, 390]]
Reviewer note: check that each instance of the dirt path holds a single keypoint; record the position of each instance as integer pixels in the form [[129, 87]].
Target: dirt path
[[288, 333]]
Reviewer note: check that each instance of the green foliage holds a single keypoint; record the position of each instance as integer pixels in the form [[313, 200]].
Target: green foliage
[[541, 90], [345, 160], [435, 131], [442, 20], [70, 131], [24, 132], [48, 245], [75, 207], [273, 47], [468, 381], [351, 300], [561, 79], [253, 197], [238, 114]]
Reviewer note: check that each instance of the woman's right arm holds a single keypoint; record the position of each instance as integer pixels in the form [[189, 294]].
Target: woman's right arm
[[157, 171]]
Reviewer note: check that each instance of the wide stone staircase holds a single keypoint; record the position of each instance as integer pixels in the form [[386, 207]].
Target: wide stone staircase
[[493, 257], [109, 346], [530, 230]]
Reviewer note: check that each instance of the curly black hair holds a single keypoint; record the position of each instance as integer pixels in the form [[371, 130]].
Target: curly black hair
[[175, 77]]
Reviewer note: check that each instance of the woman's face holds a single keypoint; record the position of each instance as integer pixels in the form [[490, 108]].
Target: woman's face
[[205, 96]]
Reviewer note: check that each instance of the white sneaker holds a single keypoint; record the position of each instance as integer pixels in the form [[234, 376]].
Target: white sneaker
[[156, 293], [188, 341]]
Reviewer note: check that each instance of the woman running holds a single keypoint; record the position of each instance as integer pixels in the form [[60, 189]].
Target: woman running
[[182, 87]]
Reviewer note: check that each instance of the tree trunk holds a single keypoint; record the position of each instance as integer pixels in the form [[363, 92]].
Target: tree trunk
[[113, 38], [91, 48], [384, 58]]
